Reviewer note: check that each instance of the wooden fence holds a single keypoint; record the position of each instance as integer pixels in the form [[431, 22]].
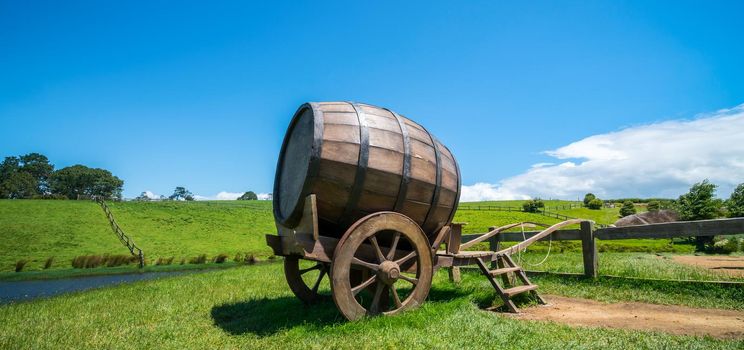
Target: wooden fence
[[588, 235], [123, 238]]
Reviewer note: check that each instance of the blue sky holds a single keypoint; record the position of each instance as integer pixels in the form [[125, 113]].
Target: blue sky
[[198, 94]]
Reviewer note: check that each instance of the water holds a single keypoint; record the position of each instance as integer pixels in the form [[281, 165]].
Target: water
[[27, 290]]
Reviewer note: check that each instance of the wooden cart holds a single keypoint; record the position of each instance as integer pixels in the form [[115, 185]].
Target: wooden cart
[[384, 263], [368, 195]]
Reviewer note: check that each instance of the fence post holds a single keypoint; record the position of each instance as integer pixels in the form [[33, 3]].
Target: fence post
[[453, 247], [589, 249], [494, 243]]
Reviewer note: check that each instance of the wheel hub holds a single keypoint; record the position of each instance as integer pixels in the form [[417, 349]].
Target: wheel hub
[[389, 272]]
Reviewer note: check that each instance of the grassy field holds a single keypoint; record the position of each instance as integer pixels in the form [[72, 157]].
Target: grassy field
[[251, 307], [37, 229]]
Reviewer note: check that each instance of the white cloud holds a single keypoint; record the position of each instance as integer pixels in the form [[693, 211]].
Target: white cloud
[[151, 195], [228, 196], [654, 160]]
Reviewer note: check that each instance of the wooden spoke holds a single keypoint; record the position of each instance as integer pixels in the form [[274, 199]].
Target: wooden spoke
[[317, 282], [298, 285], [403, 260], [371, 266], [378, 251], [396, 298], [412, 280], [316, 267], [364, 284], [374, 308], [393, 246], [351, 274]]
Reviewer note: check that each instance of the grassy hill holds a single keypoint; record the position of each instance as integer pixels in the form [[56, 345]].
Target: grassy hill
[[37, 229]]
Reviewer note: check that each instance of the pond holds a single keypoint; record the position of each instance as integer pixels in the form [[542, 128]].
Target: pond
[[27, 290]]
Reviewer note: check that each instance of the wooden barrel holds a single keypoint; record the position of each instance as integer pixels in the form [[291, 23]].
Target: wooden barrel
[[360, 159]]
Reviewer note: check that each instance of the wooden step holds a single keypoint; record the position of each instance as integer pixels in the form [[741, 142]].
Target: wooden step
[[520, 289], [504, 270]]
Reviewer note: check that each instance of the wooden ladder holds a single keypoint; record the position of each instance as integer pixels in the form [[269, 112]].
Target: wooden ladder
[[504, 266]]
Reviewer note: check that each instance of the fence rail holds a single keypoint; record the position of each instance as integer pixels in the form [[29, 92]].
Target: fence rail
[[123, 237], [588, 235]]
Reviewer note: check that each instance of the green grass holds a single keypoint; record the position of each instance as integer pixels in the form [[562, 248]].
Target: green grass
[[252, 308], [37, 229]]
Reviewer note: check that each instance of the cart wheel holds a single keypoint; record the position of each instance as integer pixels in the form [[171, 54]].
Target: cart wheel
[[384, 246], [297, 277]]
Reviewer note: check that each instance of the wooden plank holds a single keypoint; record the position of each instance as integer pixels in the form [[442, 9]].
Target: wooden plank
[[674, 229], [589, 249]]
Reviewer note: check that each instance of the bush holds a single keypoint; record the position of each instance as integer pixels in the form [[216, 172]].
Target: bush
[[118, 260], [48, 263], [20, 264], [201, 259], [219, 259], [588, 198], [654, 206], [595, 204], [272, 257], [164, 261], [250, 259], [627, 209], [238, 258], [183, 261], [533, 205], [727, 245], [87, 261]]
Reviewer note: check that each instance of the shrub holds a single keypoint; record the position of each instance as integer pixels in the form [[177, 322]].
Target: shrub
[[201, 259], [250, 259], [87, 261], [20, 264], [238, 258], [183, 261], [726, 245], [595, 204], [533, 205], [627, 209], [588, 198], [272, 257], [118, 260], [48, 263], [654, 206], [164, 261], [220, 258]]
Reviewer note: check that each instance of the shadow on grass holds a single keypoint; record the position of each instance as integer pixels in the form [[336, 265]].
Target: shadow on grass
[[267, 316]]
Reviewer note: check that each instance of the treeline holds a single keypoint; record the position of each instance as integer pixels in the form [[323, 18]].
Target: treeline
[[32, 176]]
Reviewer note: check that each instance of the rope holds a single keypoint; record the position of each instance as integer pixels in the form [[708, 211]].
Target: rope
[[550, 245]]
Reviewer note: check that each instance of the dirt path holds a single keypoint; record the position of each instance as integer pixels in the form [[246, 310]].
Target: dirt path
[[730, 265], [725, 324]]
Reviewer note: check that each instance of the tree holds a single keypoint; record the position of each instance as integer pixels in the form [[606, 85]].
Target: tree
[[181, 193], [654, 206], [595, 204], [533, 205], [699, 204], [39, 167], [143, 197], [18, 185], [79, 179], [627, 209], [248, 196], [735, 203], [588, 198]]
